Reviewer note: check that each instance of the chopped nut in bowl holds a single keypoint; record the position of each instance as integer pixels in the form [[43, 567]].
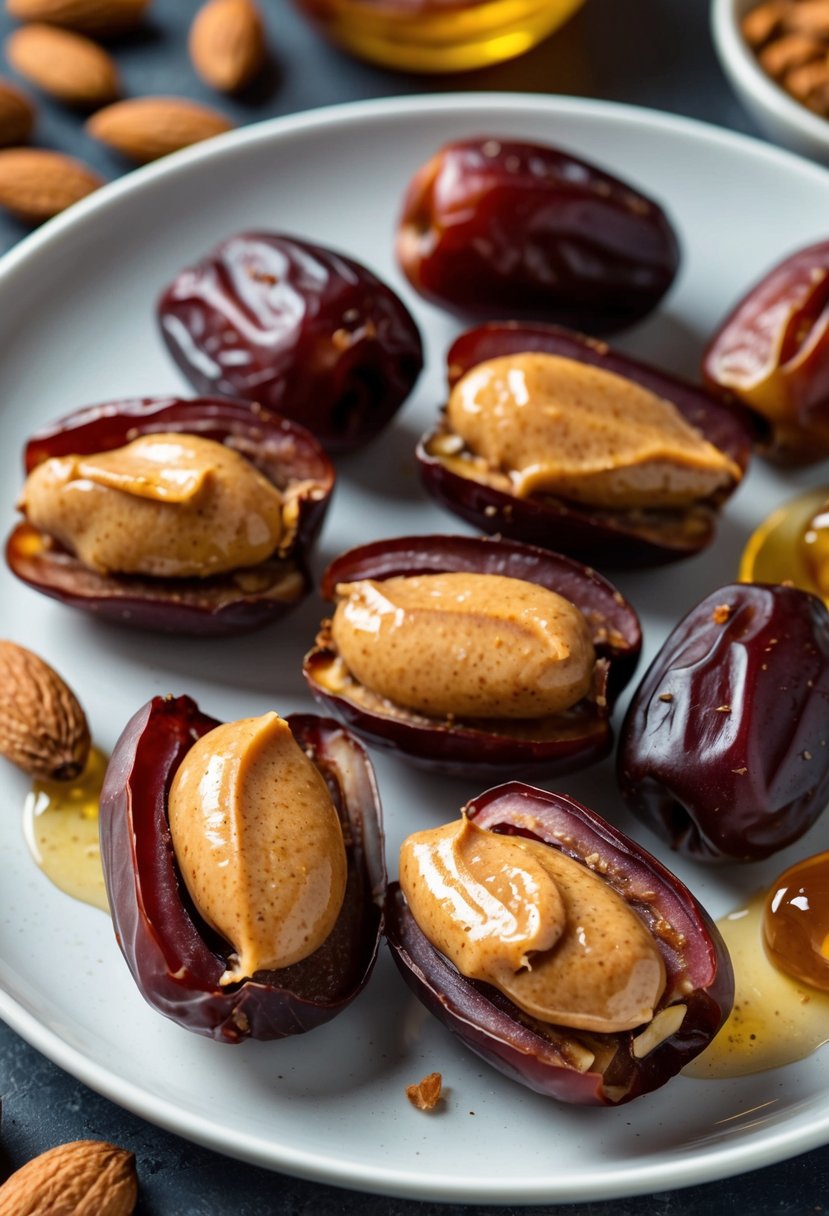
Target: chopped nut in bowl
[[555, 439], [774, 53], [557, 948], [187, 516], [469, 654]]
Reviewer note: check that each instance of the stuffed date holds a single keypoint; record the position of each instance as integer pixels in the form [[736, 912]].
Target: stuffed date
[[723, 751], [186, 516], [262, 921], [502, 228], [468, 654], [556, 948]]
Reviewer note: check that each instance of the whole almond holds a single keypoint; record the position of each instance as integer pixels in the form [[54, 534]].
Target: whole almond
[[17, 115], [144, 128], [69, 66], [43, 728], [36, 184], [227, 43], [83, 1178], [100, 18]]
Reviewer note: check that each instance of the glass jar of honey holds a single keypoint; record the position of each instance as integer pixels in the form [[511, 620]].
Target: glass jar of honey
[[437, 35]]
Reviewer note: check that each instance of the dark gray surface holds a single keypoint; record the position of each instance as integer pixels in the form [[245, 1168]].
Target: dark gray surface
[[648, 52]]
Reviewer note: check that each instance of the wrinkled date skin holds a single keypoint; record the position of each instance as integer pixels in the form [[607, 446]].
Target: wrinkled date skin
[[559, 744], [305, 331], [232, 603], [723, 751], [617, 538], [501, 228], [175, 959], [697, 966], [772, 354]]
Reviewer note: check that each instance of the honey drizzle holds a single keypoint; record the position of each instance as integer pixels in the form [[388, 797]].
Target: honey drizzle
[[60, 825]]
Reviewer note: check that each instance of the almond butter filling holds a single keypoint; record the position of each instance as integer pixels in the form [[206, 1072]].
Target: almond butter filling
[[561, 427], [470, 645], [166, 505], [539, 926], [258, 843]]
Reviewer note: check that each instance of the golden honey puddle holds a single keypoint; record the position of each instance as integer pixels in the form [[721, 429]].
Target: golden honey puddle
[[60, 824], [775, 1020]]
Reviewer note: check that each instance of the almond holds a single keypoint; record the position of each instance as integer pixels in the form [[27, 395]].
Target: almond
[[43, 728], [69, 66], [144, 128], [227, 43], [83, 1178], [36, 184], [17, 115], [100, 18]]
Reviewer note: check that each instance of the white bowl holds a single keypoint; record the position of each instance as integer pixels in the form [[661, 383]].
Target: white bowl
[[782, 118]]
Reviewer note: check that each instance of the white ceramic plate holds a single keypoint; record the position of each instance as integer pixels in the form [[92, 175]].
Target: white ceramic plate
[[76, 302]]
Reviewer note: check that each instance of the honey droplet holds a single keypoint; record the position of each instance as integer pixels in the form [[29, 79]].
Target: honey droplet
[[796, 922], [776, 1020], [792, 546], [60, 823]]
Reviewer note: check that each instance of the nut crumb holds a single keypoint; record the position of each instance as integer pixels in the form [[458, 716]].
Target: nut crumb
[[427, 1093], [666, 696], [740, 771], [721, 614], [807, 755], [723, 709]]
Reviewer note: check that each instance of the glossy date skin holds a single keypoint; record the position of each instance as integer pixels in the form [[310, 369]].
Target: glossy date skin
[[285, 453], [723, 750], [772, 354], [175, 959], [299, 328], [503, 228], [616, 538], [568, 742], [696, 962]]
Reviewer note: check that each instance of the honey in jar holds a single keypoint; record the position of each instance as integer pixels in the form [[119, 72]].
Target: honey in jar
[[437, 35]]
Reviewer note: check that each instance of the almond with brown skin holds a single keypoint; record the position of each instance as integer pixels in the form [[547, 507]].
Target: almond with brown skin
[[69, 66], [145, 128], [36, 184], [17, 115], [83, 1178], [99, 18], [227, 43], [43, 728]]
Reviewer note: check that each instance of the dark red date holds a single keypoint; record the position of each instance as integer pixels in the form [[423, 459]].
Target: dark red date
[[502, 228], [175, 958], [697, 966], [723, 751], [232, 603], [567, 741], [772, 354], [299, 328]]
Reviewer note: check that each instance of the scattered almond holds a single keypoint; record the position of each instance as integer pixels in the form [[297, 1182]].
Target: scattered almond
[[83, 1178], [17, 115], [43, 728], [425, 1095], [227, 43], [69, 66], [144, 128], [100, 18]]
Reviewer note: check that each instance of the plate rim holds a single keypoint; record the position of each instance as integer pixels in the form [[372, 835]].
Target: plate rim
[[703, 1164]]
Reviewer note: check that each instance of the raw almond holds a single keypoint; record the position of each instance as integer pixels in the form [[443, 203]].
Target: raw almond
[[227, 43], [69, 66], [36, 184], [144, 128], [83, 1178], [17, 115], [43, 728], [100, 18]]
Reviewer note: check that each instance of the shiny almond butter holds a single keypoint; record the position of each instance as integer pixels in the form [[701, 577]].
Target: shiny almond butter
[[17, 115], [227, 43], [98, 18], [36, 184], [146, 128], [69, 66]]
